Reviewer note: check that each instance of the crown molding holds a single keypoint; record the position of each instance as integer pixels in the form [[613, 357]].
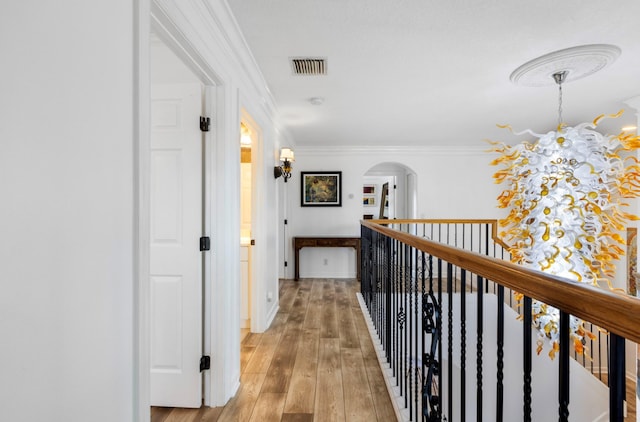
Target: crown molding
[[211, 34], [224, 22]]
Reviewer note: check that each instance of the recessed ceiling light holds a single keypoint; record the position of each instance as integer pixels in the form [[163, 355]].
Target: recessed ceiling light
[[316, 100]]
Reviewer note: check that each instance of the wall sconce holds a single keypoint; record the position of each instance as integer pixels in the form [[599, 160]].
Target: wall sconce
[[284, 170]]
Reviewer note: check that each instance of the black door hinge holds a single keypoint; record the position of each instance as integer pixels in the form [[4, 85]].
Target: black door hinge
[[205, 363], [204, 123], [205, 243], [285, 263], [286, 222]]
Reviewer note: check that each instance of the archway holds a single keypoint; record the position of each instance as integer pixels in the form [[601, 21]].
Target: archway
[[398, 200]]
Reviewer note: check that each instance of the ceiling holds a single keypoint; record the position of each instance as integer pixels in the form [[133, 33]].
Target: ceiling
[[436, 73]]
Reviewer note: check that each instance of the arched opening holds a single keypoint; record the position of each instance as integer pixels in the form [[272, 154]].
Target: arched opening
[[389, 191]]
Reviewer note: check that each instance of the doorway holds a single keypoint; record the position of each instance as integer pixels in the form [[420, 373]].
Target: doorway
[[246, 233]]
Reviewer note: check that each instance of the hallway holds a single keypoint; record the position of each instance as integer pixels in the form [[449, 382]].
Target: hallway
[[315, 363]]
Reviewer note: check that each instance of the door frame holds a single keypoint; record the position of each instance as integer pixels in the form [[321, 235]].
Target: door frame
[[219, 264]]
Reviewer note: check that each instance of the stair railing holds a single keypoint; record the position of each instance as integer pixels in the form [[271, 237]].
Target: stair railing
[[408, 286]]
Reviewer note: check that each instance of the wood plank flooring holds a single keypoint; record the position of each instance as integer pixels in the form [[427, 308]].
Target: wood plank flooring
[[315, 363]]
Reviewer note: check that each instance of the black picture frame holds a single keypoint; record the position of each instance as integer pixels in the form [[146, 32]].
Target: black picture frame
[[321, 189]]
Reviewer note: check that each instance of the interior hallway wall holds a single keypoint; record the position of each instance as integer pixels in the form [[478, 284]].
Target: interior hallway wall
[[67, 214], [451, 183]]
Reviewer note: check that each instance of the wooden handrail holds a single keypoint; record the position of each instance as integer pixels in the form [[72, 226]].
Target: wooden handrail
[[611, 311]]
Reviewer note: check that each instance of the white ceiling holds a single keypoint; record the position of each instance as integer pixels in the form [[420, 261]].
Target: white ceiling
[[419, 72]]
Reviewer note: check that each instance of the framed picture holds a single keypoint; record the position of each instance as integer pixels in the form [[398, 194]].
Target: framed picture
[[369, 201], [369, 189], [321, 189]]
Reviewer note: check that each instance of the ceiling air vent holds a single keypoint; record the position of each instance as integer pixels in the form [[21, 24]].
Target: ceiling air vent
[[309, 66]]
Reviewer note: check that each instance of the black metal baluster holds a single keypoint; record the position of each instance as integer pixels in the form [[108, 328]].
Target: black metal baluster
[[419, 271], [417, 352], [563, 363], [431, 393], [403, 321], [424, 394], [617, 386], [383, 258], [397, 309], [463, 345], [410, 320], [409, 331], [380, 282], [607, 352], [439, 329], [464, 236], [486, 239], [479, 346], [406, 291], [591, 346], [455, 235], [388, 300], [526, 357], [500, 363], [450, 339], [425, 327]]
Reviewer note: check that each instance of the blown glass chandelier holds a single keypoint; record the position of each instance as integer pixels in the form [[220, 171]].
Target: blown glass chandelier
[[565, 193]]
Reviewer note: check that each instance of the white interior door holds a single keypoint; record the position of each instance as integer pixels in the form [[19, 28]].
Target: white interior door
[[176, 263]]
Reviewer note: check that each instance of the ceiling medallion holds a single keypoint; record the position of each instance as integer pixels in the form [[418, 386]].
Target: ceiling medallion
[[577, 62]]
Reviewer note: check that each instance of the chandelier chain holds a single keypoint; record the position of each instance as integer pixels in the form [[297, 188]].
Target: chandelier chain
[[559, 104], [559, 78]]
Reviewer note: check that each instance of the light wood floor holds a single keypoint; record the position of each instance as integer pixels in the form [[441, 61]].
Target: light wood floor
[[315, 363]]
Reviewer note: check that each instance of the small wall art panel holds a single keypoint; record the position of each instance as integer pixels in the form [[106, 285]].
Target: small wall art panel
[[321, 189]]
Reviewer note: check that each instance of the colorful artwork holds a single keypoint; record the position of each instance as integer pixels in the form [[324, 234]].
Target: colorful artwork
[[321, 189]]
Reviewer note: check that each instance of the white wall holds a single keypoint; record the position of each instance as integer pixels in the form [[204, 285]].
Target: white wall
[[67, 211], [451, 183], [68, 216]]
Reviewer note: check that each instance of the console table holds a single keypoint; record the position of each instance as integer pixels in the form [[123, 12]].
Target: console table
[[325, 242]]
